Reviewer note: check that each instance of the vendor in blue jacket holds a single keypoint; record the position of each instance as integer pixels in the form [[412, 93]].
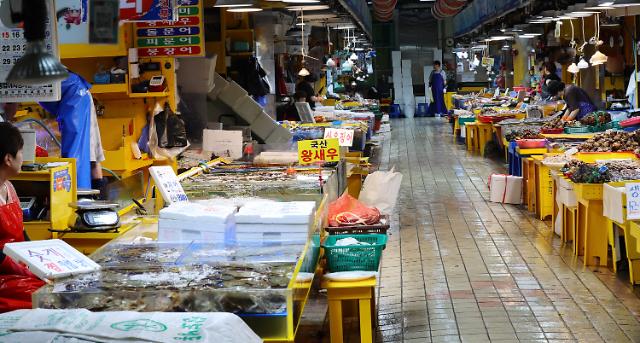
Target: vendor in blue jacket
[[79, 130]]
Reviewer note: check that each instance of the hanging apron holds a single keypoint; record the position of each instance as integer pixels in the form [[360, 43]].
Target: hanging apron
[[11, 230], [437, 91]]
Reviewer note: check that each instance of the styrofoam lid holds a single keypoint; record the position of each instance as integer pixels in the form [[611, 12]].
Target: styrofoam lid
[[191, 211], [293, 212]]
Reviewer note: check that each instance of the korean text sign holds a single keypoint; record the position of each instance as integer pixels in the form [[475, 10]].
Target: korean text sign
[[318, 150], [345, 137], [633, 200]]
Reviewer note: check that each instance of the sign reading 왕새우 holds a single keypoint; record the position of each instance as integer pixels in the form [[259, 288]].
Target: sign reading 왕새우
[[318, 150]]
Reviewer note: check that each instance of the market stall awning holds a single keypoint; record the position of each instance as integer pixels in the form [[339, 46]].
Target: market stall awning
[[480, 12], [359, 10]]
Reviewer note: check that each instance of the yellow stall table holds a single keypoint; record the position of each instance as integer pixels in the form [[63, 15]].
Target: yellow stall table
[[485, 135], [591, 234], [361, 291], [544, 186], [472, 134], [615, 199], [54, 189]]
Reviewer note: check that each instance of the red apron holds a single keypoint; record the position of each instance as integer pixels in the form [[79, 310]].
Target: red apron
[[11, 230]]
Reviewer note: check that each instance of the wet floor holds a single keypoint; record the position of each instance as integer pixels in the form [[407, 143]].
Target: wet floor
[[460, 268]]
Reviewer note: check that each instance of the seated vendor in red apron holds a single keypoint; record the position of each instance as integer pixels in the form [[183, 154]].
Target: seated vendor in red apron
[[16, 281]]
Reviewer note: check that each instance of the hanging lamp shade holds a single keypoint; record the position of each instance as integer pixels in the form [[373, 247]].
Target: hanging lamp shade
[[37, 66], [583, 64], [331, 63], [353, 56], [598, 58], [573, 68], [303, 72]]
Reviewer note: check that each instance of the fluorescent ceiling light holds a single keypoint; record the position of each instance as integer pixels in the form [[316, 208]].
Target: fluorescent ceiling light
[[244, 9], [308, 8], [234, 3], [301, 1]]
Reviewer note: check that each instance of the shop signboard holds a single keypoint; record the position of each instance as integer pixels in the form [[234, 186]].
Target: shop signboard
[[148, 10], [633, 200], [12, 47], [183, 37], [318, 151], [344, 136]]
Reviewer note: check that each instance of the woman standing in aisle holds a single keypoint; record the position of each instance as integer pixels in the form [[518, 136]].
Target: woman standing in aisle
[[578, 104], [437, 82], [306, 86]]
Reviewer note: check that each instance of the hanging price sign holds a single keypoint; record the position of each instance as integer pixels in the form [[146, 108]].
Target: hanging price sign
[[148, 10], [633, 200], [318, 150], [345, 137], [182, 37]]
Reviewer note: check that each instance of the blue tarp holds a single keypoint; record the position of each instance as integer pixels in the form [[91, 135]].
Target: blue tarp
[[73, 113]]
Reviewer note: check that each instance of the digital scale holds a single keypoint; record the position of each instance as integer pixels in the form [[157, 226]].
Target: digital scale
[[156, 84], [91, 216]]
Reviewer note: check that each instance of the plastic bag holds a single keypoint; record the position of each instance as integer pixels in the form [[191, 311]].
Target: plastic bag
[[15, 291], [157, 142], [381, 190], [348, 211]]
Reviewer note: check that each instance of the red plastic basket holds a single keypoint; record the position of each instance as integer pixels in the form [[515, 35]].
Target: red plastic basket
[[552, 131], [630, 122], [531, 143]]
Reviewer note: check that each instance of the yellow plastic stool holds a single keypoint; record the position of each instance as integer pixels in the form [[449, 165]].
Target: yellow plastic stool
[[362, 291]]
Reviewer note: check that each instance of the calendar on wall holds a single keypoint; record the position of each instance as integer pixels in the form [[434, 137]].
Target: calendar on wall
[[12, 47]]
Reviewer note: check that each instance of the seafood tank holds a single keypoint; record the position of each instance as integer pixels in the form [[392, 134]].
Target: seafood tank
[[264, 283], [269, 183]]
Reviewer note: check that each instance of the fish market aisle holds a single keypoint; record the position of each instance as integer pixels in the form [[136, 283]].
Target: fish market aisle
[[460, 268]]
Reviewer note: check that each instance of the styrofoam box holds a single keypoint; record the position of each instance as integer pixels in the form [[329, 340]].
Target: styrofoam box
[[291, 212], [257, 228], [219, 84], [507, 188], [406, 64], [420, 99], [396, 57], [247, 108], [208, 213], [231, 93], [279, 135], [270, 236], [565, 193], [184, 233], [263, 126]]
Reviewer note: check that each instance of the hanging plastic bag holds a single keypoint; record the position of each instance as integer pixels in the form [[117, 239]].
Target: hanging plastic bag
[[158, 142], [16, 290], [348, 211], [381, 190]]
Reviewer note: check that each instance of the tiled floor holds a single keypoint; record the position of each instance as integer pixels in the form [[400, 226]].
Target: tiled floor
[[460, 268]]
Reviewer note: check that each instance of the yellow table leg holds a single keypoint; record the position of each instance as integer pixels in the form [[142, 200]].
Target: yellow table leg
[[612, 239], [365, 321], [335, 320], [632, 245], [469, 128], [568, 224], [594, 231]]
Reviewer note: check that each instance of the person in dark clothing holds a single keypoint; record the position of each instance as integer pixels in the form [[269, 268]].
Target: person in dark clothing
[[306, 86], [548, 74], [290, 112], [578, 103]]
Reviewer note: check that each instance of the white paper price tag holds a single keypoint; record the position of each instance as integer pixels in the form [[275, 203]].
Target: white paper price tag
[[633, 200], [168, 184], [345, 137]]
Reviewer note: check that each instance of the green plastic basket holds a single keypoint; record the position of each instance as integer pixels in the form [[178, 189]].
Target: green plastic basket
[[604, 127], [354, 257], [580, 129]]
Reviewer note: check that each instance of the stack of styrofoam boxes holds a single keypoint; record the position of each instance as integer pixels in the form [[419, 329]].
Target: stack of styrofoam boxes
[[262, 125], [396, 62], [274, 221], [407, 88], [427, 92], [202, 221]]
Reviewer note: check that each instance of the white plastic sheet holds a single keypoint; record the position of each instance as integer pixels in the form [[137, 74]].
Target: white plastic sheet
[[381, 190], [125, 326]]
